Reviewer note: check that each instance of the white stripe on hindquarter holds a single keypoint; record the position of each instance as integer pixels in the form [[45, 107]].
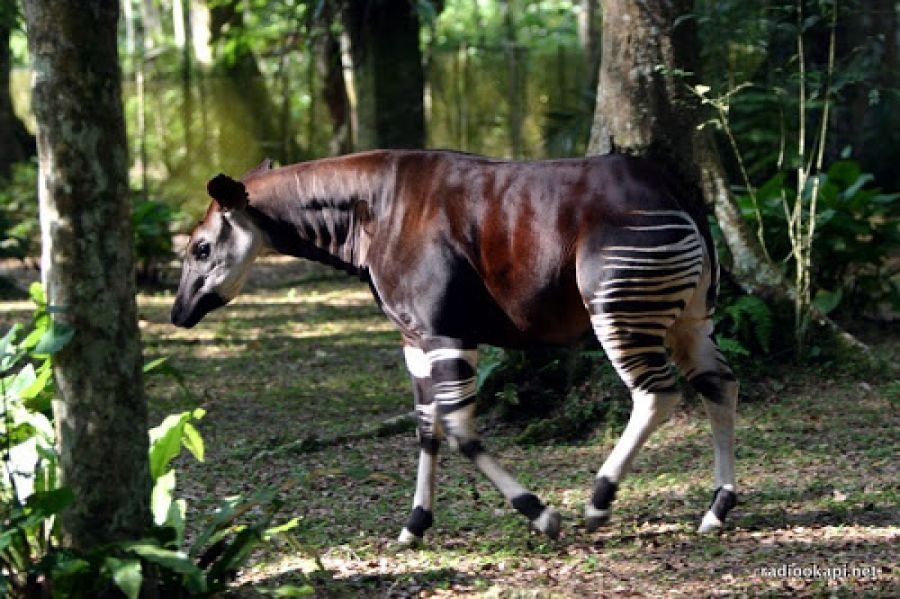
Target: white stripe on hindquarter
[[469, 355]]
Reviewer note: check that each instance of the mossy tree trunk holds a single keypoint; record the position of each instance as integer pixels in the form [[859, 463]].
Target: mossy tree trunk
[[387, 73], [87, 268], [645, 107]]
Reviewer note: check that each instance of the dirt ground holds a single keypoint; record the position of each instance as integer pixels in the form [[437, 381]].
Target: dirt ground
[[304, 358]]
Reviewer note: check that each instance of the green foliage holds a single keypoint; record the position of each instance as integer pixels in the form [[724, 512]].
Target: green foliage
[[745, 327], [152, 223], [32, 560], [30, 498], [558, 394], [857, 234], [19, 226]]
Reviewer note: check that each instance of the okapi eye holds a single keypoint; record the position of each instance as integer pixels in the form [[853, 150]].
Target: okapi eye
[[201, 250]]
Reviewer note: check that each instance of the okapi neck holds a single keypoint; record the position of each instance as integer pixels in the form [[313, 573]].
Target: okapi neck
[[322, 210], [310, 238]]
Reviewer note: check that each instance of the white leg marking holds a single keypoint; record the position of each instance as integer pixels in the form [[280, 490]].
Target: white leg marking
[[721, 417], [416, 362], [503, 480], [407, 538], [709, 523], [548, 522], [591, 512], [648, 412], [425, 481]]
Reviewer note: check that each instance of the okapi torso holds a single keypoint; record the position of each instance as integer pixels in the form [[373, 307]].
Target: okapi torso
[[462, 250]]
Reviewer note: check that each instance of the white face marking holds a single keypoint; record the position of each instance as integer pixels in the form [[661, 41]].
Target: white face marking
[[216, 264], [234, 243]]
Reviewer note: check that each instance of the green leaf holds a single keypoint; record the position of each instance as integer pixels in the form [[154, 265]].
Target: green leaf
[[161, 497], [174, 561], [176, 519], [39, 383], [290, 590], [8, 353], [21, 381], [127, 575], [154, 364], [165, 442], [36, 292], [732, 346], [281, 528], [193, 441], [223, 516], [50, 503], [236, 553], [54, 339], [826, 301]]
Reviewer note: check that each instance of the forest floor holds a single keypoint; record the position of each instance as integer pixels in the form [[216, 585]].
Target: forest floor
[[304, 357]]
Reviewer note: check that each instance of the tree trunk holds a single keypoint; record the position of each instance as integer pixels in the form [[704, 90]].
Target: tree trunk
[[16, 143], [589, 37], [334, 87], [100, 410], [387, 73], [650, 111], [870, 128], [227, 19]]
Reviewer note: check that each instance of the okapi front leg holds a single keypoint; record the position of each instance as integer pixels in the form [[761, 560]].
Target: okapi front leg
[[422, 515], [453, 375]]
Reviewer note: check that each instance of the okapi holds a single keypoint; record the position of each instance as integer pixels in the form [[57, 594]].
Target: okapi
[[461, 250]]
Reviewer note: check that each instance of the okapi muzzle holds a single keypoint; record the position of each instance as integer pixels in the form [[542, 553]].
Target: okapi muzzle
[[219, 254]]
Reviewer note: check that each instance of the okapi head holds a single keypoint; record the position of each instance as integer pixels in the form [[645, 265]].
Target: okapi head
[[218, 255]]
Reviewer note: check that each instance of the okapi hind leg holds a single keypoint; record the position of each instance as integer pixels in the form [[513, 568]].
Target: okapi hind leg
[[649, 411], [453, 375], [429, 435], [700, 359], [635, 287]]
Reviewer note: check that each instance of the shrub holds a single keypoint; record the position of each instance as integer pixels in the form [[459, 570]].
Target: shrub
[[857, 234], [19, 227], [152, 223], [32, 560], [20, 231]]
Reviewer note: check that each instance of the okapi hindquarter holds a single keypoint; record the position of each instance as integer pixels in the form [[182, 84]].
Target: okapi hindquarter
[[461, 250]]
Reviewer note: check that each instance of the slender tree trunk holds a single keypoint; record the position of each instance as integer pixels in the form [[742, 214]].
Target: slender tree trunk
[[227, 18], [387, 73], [334, 87], [16, 143], [589, 37], [100, 410], [646, 110], [200, 32], [184, 33], [514, 98]]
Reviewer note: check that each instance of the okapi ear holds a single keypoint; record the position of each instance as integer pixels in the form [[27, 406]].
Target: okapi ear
[[265, 165], [228, 193]]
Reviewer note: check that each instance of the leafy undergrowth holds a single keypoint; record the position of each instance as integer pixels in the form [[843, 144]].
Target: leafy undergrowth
[[308, 358]]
